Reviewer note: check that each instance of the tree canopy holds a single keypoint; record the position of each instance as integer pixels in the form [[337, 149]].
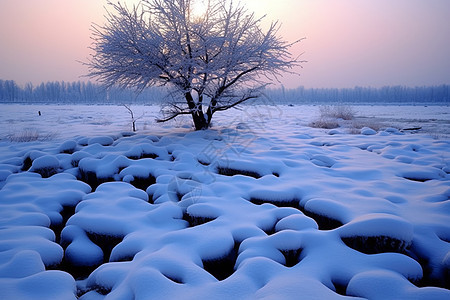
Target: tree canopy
[[215, 59]]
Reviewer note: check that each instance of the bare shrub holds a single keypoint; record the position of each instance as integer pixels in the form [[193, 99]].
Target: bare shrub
[[344, 112], [333, 116], [29, 135], [325, 123]]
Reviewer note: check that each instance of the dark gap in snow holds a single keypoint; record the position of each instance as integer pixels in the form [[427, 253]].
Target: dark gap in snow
[[179, 196], [149, 155], [75, 163], [150, 198], [175, 196], [292, 257], [340, 288], [174, 279], [144, 155], [231, 172], [46, 172], [324, 222], [222, 267], [196, 220], [294, 203], [376, 244], [27, 162], [429, 278], [270, 230], [65, 213], [204, 163], [276, 174], [418, 179], [124, 258], [77, 272], [101, 290], [143, 182], [132, 157], [92, 180], [444, 238], [105, 242], [68, 151], [127, 134], [362, 147], [446, 278]]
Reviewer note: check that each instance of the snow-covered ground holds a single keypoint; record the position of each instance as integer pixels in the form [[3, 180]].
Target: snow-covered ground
[[261, 206]]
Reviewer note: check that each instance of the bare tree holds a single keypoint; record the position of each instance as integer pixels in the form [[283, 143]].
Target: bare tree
[[133, 117], [214, 60]]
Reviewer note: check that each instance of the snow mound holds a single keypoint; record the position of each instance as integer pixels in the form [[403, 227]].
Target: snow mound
[[421, 173], [40, 286], [68, 147], [392, 130], [376, 233], [383, 284], [284, 287], [368, 131], [39, 239], [102, 140], [120, 205], [95, 171], [332, 213], [46, 165], [334, 132], [296, 222], [323, 161], [23, 264], [47, 196], [80, 250], [379, 224]]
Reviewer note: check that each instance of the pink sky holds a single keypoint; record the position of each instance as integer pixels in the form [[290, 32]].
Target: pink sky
[[348, 42]]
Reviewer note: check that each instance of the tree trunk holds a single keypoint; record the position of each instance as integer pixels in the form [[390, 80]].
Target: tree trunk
[[200, 122], [198, 116], [210, 110]]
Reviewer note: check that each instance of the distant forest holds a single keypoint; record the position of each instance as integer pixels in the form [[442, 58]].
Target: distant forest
[[90, 93], [79, 92]]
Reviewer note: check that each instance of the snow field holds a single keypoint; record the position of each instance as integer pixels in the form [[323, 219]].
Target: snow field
[[250, 211]]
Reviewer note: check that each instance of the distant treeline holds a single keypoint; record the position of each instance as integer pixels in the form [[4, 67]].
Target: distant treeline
[[90, 93], [75, 93], [364, 95]]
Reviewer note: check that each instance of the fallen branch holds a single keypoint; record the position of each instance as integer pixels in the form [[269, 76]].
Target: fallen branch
[[412, 129]]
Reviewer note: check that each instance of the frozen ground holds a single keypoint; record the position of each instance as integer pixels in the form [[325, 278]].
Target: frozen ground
[[261, 206]]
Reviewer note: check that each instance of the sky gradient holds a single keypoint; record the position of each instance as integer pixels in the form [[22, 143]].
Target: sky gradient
[[348, 42]]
